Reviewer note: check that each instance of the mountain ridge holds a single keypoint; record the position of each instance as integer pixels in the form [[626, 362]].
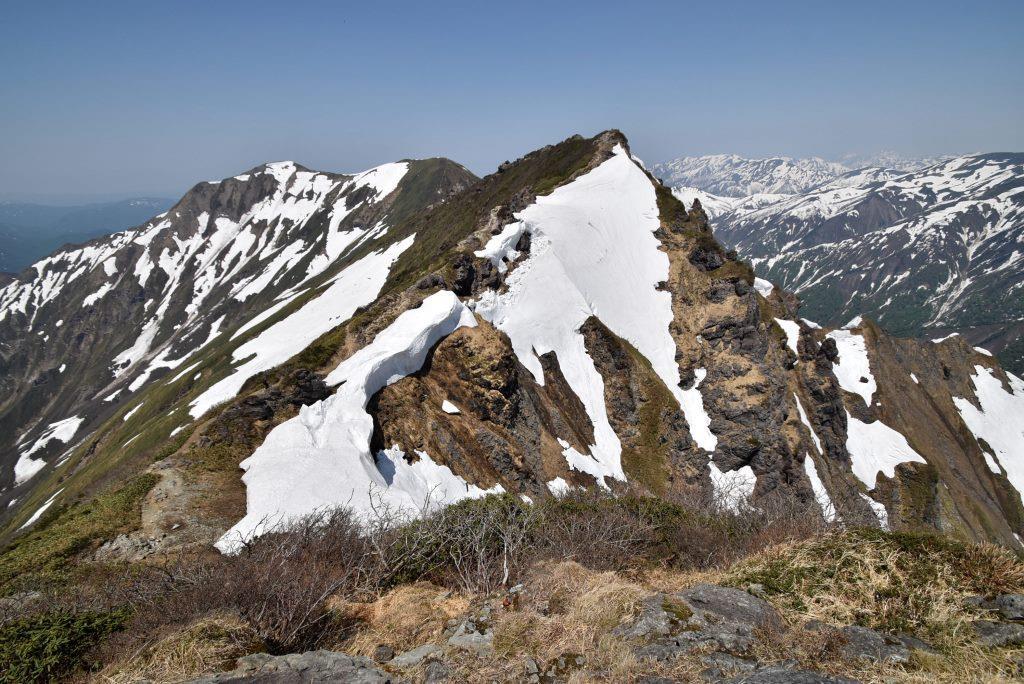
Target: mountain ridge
[[460, 375]]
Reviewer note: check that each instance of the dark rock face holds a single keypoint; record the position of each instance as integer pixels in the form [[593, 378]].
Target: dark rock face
[[1008, 606], [508, 425], [245, 417], [707, 258], [314, 667], [658, 450], [784, 675]]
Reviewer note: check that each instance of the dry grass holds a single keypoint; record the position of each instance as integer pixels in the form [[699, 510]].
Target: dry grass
[[893, 582], [208, 645], [406, 617], [896, 583]]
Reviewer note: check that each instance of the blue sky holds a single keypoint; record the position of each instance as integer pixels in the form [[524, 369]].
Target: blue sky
[[112, 98]]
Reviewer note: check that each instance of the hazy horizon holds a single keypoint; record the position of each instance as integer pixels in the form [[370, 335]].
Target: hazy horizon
[[147, 100]]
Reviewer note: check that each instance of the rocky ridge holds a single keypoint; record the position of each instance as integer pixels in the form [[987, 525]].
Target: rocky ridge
[[851, 422]]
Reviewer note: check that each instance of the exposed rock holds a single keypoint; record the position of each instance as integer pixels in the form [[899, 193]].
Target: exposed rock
[[867, 644], [707, 258], [559, 669], [1009, 606], [414, 657], [320, 667], [719, 664], [996, 634], [435, 671], [704, 616], [475, 633], [786, 675], [383, 653], [731, 606]]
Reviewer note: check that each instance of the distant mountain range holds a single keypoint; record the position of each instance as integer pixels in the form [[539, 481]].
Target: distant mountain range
[[30, 231], [926, 253]]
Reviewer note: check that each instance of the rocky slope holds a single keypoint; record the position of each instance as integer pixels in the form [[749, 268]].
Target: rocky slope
[[390, 342], [927, 253]]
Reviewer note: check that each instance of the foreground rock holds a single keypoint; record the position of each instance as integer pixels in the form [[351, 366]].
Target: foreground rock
[[704, 616], [321, 667]]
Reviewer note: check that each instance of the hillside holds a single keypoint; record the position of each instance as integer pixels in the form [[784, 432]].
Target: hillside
[[292, 366]]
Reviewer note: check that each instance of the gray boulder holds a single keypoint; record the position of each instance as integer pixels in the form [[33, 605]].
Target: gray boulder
[[995, 634], [867, 644], [1008, 606], [731, 606], [705, 616], [321, 667], [414, 657], [786, 675]]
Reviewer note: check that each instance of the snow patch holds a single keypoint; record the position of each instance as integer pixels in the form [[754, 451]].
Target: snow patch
[[449, 407], [807, 424], [764, 287], [356, 286], [999, 421], [734, 488], [42, 509], [876, 448], [878, 509], [559, 487], [852, 366], [321, 458], [828, 509], [792, 330], [62, 431]]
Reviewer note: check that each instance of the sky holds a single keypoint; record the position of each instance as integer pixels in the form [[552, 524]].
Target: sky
[[113, 99]]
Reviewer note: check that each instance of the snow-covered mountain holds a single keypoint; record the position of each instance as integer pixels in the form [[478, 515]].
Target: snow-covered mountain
[[925, 253], [412, 336], [887, 159], [85, 329], [731, 176]]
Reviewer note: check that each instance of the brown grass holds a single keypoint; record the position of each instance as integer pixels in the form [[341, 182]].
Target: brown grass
[[210, 644], [406, 617]]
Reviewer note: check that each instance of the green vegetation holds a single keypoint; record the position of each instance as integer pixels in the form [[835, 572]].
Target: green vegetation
[[48, 647], [44, 555]]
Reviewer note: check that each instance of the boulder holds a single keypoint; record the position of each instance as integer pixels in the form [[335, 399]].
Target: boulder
[[995, 634], [787, 675], [414, 657], [321, 667], [867, 644]]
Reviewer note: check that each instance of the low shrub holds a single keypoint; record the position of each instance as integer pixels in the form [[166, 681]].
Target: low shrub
[[45, 648]]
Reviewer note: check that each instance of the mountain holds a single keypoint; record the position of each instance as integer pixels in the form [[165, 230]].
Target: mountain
[[728, 175], [86, 328], [412, 336], [927, 253], [31, 231], [731, 176], [888, 159]]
